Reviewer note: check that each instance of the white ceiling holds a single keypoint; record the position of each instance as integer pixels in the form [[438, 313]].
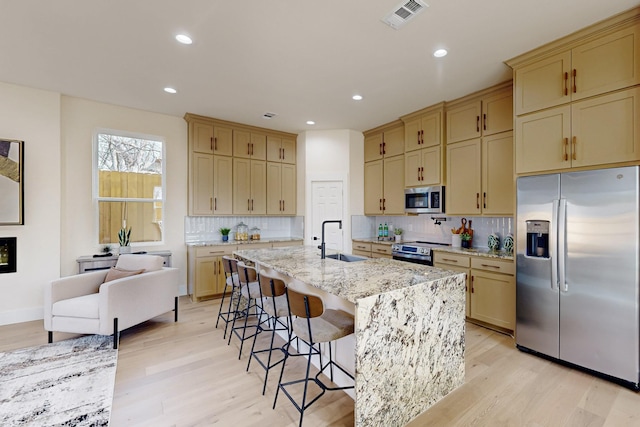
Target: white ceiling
[[302, 60]]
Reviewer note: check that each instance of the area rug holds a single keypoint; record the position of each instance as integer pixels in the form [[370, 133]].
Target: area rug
[[66, 383]]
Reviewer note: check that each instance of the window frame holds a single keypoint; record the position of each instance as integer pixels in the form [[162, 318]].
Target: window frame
[[95, 183]]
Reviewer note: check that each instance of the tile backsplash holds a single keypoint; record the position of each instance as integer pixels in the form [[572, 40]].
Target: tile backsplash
[[422, 227], [205, 228]]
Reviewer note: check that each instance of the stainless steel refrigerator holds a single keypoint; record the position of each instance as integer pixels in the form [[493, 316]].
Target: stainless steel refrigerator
[[577, 261]]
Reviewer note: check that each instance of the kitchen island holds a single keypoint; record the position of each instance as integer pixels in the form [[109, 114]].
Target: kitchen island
[[409, 326]]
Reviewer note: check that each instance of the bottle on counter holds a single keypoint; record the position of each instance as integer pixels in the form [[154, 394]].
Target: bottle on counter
[[380, 231], [385, 230]]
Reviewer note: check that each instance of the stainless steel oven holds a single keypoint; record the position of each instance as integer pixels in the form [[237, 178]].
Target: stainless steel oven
[[415, 252]]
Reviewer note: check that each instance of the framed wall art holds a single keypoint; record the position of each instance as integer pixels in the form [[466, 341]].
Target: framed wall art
[[11, 182]]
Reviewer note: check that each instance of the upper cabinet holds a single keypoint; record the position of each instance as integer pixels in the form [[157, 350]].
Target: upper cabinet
[[577, 100], [423, 141], [249, 145], [479, 153], [209, 139], [229, 173], [384, 141], [591, 68], [281, 149], [474, 117]]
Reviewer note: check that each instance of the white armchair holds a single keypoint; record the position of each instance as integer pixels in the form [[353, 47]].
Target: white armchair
[[86, 304]]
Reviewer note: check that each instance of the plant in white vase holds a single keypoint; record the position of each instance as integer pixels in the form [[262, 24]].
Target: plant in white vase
[[398, 234], [124, 238]]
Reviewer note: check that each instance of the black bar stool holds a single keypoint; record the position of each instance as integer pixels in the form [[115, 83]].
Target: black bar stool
[[250, 292], [232, 284], [313, 325], [274, 304]]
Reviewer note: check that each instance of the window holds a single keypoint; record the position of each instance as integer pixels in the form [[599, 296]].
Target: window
[[129, 178]]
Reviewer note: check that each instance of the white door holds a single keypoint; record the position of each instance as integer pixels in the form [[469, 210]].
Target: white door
[[326, 204]]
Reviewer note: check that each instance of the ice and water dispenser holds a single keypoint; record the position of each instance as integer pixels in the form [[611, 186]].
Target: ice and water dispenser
[[538, 239]]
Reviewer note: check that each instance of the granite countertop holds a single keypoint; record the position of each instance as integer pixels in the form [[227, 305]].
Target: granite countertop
[[483, 252], [348, 280], [244, 242]]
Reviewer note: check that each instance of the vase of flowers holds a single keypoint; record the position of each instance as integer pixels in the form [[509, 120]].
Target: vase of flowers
[[466, 240]]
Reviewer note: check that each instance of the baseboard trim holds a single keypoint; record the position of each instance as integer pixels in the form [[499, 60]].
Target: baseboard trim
[[23, 315]]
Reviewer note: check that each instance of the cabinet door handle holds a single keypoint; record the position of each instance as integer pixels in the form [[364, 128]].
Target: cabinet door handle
[[491, 266], [477, 200], [248, 204], [565, 157], [484, 200], [449, 259], [215, 252], [477, 123], [380, 149], [282, 151], [472, 279], [215, 144], [248, 149], [575, 86], [215, 203], [384, 147], [283, 205], [566, 80], [573, 149], [422, 137], [419, 138], [384, 201], [422, 173], [484, 119], [251, 204], [210, 203], [212, 149], [418, 174], [380, 204]]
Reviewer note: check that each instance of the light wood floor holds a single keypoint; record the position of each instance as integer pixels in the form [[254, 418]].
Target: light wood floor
[[184, 374]]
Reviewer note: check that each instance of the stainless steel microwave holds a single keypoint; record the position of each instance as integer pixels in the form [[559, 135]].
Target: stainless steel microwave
[[424, 200]]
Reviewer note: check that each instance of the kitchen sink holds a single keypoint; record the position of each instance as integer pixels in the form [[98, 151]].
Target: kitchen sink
[[346, 258]]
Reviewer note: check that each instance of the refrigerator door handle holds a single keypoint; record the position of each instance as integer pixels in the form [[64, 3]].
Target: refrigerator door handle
[[562, 244], [553, 246]]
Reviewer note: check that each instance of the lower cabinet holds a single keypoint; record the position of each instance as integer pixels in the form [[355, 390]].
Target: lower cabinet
[[371, 250], [361, 249], [206, 278], [490, 287], [206, 273]]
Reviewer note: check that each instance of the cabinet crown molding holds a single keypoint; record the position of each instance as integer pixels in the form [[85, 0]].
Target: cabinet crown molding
[[597, 30], [492, 90], [391, 125], [190, 117], [431, 109]]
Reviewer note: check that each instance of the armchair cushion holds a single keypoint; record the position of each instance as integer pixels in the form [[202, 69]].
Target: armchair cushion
[[86, 306], [116, 273]]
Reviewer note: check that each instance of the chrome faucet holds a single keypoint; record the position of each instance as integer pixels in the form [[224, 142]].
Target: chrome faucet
[[322, 245]]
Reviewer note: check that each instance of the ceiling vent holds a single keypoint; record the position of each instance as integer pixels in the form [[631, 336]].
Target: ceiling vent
[[404, 12], [269, 115]]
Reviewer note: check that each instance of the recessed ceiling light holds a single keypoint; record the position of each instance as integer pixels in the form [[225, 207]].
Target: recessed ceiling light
[[440, 53], [311, 122], [184, 39], [356, 97], [170, 90]]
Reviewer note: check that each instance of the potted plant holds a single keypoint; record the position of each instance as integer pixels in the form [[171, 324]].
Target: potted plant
[[224, 231], [398, 234], [466, 240], [124, 237]]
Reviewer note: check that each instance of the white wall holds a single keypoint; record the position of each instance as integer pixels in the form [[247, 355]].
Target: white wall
[[33, 116], [334, 155], [80, 119]]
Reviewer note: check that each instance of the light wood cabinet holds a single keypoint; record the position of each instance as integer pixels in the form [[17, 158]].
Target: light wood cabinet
[[458, 263], [464, 174], [493, 292], [361, 249], [422, 167], [423, 130], [249, 145], [281, 189], [380, 250], [384, 186], [384, 141], [490, 287], [214, 145], [487, 115], [281, 150], [201, 184], [206, 272], [480, 176], [604, 64], [249, 187], [209, 139], [596, 131]]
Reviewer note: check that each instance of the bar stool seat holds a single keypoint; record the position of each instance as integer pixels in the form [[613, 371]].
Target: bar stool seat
[[314, 325]]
